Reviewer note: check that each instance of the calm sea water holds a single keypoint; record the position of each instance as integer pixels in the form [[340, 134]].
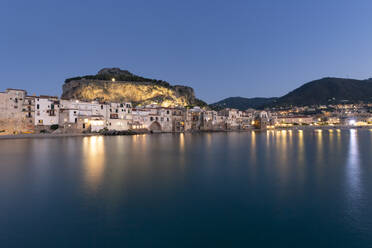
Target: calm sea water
[[268, 189]]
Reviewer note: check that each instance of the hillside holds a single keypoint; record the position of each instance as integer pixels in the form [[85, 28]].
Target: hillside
[[242, 103], [128, 87], [328, 90]]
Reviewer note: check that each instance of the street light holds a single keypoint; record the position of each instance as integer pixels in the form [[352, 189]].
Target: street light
[[352, 122]]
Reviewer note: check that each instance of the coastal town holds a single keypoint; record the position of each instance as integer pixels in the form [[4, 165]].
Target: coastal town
[[21, 113]]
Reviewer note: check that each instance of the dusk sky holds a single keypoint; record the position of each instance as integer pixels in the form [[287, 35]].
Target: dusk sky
[[220, 48]]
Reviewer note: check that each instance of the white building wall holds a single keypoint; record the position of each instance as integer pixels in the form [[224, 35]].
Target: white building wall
[[46, 111]]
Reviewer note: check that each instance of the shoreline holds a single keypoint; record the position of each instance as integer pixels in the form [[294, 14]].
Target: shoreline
[[44, 135], [50, 135]]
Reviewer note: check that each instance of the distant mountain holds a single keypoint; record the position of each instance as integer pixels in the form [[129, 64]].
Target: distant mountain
[[318, 92], [328, 90], [242, 103]]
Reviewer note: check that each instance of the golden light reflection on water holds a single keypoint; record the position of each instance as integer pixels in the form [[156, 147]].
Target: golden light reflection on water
[[331, 138], [93, 160], [139, 144], [319, 145], [338, 141], [301, 157], [182, 142], [209, 140], [143, 142], [283, 149], [300, 147], [253, 146]]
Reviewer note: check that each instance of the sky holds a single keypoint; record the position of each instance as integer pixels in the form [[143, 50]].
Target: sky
[[224, 48]]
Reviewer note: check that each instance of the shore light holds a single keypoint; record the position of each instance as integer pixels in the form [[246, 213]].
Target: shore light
[[352, 122]]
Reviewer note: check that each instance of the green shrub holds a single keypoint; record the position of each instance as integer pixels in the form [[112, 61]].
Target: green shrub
[[54, 127]]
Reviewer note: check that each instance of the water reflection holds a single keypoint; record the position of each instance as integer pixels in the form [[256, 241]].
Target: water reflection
[[182, 142], [300, 147], [182, 150], [319, 146], [253, 146], [93, 160], [131, 187], [353, 172]]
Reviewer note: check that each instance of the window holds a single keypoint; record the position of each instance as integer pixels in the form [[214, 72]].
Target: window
[[167, 119], [151, 118], [40, 121], [101, 106], [116, 111], [167, 112], [38, 106], [121, 105]]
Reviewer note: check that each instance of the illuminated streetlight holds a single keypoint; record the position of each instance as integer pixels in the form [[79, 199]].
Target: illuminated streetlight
[[352, 122]]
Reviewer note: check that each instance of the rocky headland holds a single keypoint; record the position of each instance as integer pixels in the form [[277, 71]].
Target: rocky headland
[[116, 85]]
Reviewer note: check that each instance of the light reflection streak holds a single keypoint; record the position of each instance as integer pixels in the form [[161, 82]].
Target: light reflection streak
[[182, 150], [319, 145], [281, 154], [93, 160], [300, 147], [209, 140], [330, 138], [354, 191], [253, 146], [182, 142], [301, 160], [290, 138]]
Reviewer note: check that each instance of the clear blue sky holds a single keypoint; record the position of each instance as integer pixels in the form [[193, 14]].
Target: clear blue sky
[[220, 48]]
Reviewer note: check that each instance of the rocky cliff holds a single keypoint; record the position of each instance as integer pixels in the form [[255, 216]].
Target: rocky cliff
[[114, 85]]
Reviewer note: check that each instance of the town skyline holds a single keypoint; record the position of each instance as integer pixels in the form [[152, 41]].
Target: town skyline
[[59, 93]]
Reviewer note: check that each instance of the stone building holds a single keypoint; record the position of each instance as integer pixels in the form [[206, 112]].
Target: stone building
[[178, 119], [12, 117], [155, 119]]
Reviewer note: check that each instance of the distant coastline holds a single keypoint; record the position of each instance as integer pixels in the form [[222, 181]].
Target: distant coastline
[[296, 128]]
